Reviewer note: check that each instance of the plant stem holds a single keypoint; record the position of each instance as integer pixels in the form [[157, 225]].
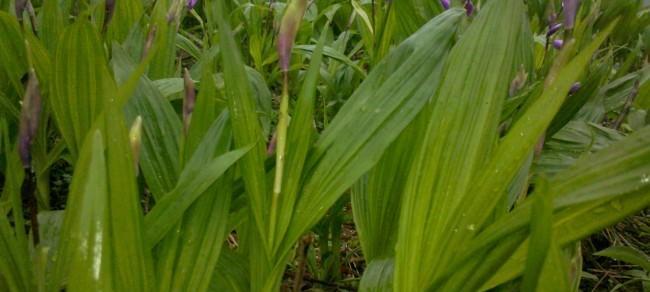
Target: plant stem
[[29, 196], [281, 144]]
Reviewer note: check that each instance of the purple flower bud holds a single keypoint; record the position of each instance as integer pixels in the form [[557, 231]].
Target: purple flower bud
[[29, 119], [518, 82], [288, 30], [469, 7], [189, 101], [552, 29], [574, 88], [149, 42], [270, 149], [570, 10], [558, 44], [20, 7], [191, 3], [445, 4]]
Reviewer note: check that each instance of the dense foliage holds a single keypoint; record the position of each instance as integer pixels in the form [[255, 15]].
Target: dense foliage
[[185, 145]]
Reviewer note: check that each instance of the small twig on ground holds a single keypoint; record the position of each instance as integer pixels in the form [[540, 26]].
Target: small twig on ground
[[303, 247], [627, 105]]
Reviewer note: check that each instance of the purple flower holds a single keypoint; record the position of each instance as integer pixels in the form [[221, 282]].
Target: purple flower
[[469, 7], [558, 44], [29, 119], [574, 88], [191, 3], [552, 29], [445, 4], [570, 10]]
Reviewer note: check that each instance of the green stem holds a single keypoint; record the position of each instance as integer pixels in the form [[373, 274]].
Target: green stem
[[280, 154]]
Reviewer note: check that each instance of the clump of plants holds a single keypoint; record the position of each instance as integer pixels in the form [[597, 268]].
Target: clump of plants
[[229, 145]]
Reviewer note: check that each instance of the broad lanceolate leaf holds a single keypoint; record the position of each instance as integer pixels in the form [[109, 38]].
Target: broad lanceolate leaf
[[132, 261], [377, 198], [385, 103], [577, 216], [12, 51], [125, 14], [514, 149], [193, 182], [81, 84], [461, 133], [15, 264], [83, 257], [245, 124], [159, 158]]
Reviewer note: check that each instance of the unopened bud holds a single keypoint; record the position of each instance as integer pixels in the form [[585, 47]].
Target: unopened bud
[[151, 36], [574, 88], [445, 4], [288, 29], [109, 9], [135, 139], [552, 29], [191, 3], [29, 119], [189, 101], [469, 7], [518, 83], [20, 6], [558, 44]]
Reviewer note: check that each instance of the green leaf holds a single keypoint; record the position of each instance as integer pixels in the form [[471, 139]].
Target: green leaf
[[83, 258], [126, 14], [620, 168], [377, 198], [334, 54], [231, 273], [378, 276], [461, 134], [195, 179], [626, 254], [82, 84], [14, 247], [245, 124], [52, 25], [12, 51], [385, 103], [541, 224], [412, 14], [133, 264], [163, 64], [159, 157], [515, 148]]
